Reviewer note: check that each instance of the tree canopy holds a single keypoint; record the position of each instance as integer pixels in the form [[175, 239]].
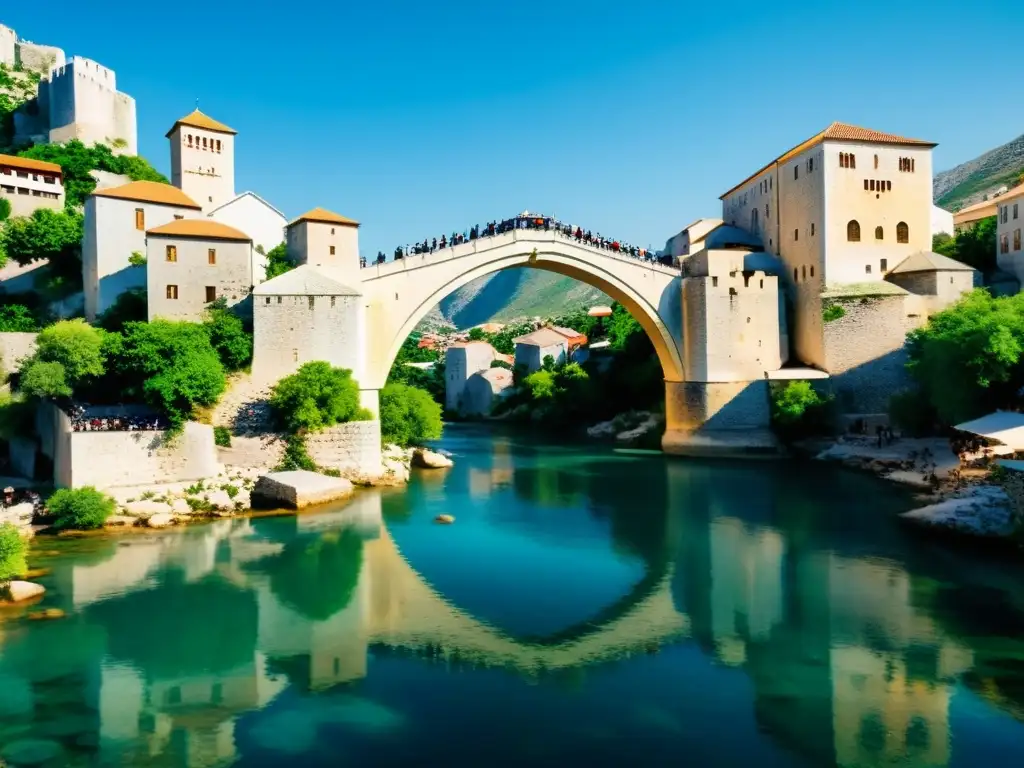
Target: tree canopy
[[975, 246], [408, 415], [69, 354], [277, 261], [228, 337], [46, 234], [315, 397]]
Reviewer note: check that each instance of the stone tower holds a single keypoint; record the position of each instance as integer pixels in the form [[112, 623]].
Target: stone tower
[[203, 159]]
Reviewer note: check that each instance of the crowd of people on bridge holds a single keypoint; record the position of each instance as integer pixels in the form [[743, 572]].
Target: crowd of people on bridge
[[82, 421], [522, 221]]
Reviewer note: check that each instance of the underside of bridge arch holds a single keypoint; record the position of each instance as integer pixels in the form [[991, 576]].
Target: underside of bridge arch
[[640, 303]]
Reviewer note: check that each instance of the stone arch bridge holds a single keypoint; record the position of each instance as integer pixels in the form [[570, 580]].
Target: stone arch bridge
[[358, 318]]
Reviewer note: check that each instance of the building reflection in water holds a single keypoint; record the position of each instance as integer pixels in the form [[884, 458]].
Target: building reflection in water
[[832, 642]]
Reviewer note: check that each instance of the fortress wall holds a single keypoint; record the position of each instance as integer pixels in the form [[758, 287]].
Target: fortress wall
[[39, 58], [8, 46]]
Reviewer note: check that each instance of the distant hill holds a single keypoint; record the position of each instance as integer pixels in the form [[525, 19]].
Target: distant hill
[[969, 182], [512, 294]]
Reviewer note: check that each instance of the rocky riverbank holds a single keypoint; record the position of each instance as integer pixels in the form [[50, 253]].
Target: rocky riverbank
[[956, 497]]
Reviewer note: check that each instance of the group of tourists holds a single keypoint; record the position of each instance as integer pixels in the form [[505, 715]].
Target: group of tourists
[[82, 422], [523, 221]]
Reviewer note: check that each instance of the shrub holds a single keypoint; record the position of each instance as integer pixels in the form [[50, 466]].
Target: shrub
[[315, 397], [77, 346], [79, 509], [5, 209], [228, 337], [833, 312], [278, 262], [12, 553], [17, 318], [41, 379], [130, 306], [296, 456], [408, 416], [798, 410], [501, 364], [222, 436]]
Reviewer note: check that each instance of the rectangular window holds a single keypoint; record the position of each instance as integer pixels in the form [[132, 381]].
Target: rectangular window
[[211, 293], [140, 219], [714, 282], [22, 174], [1015, 210], [883, 265], [796, 234], [211, 256], [1016, 239], [332, 250], [172, 253], [178, 217], [796, 172], [1004, 244], [867, 268], [172, 291], [812, 229]]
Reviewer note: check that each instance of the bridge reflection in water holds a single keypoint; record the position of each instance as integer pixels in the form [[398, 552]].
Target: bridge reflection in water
[[834, 642]]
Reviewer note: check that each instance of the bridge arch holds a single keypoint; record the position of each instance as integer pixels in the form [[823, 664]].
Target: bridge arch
[[401, 293]]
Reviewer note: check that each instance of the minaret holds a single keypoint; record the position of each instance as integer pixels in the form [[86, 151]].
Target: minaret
[[203, 159]]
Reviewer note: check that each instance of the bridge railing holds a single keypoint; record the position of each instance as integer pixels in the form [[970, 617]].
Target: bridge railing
[[491, 242]]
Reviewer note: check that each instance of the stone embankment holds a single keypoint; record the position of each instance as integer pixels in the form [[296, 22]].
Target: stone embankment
[[630, 428], [958, 500], [299, 488]]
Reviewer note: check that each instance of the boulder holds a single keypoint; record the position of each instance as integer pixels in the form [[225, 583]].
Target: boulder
[[120, 521], [19, 515], [300, 488], [220, 500], [160, 520], [444, 519], [180, 507], [145, 508], [20, 591], [427, 459]]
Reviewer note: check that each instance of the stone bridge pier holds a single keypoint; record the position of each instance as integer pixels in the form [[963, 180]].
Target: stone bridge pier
[[715, 331]]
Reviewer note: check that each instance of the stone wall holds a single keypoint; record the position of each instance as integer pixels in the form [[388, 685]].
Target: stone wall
[[734, 405], [111, 459], [352, 447], [15, 347]]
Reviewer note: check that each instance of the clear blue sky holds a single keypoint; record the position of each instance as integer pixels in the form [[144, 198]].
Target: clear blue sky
[[630, 118]]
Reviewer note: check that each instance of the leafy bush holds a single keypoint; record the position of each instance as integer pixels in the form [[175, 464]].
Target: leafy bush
[[17, 318], [170, 365], [46, 234], [222, 436], [296, 456], [228, 337], [132, 306], [833, 312], [408, 416], [41, 379], [278, 262], [967, 359], [315, 397], [137, 259], [12, 553], [798, 410], [912, 413], [69, 354], [79, 509], [5, 209], [501, 364]]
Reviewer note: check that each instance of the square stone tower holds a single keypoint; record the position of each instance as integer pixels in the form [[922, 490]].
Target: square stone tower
[[323, 238], [203, 159]]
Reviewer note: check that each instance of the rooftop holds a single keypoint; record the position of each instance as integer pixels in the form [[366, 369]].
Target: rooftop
[[28, 164], [323, 216], [197, 119], [150, 192], [981, 210], [837, 132], [542, 337], [207, 229], [1015, 192], [863, 290], [306, 280], [927, 261]]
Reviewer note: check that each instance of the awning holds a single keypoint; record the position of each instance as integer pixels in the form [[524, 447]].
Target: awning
[[1006, 427]]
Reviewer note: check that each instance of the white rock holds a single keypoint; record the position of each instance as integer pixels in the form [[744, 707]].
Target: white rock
[[427, 459], [220, 500], [979, 511], [180, 507], [161, 520], [145, 508], [244, 499], [117, 521], [20, 591], [300, 488]]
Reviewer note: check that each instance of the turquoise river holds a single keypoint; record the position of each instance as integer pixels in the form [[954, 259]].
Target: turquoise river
[[587, 607]]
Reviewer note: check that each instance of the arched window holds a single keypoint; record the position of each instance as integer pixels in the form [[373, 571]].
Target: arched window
[[902, 232], [879, 233], [853, 231]]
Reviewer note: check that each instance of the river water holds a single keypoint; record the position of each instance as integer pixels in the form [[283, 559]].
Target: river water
[[587, 607]]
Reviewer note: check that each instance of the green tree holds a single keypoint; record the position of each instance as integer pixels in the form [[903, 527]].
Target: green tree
[[798, 410], [408, 415], [41, 379], [170, 365], [278, 262], [12, 554], [228, 337], [77, 346], [130, 306], [5, 209], [46, 234], [967, 359], [79, 509], [17, 318], [975, 246], [315, 397], [477, 334]]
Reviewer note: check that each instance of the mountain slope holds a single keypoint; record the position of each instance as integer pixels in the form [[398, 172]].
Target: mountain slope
[[511, 294], [970, 182]]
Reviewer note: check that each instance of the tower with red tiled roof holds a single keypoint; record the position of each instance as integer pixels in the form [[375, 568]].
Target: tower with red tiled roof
[[203, 159]]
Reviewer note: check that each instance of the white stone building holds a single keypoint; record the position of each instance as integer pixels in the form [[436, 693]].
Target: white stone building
[[325, 239], [532, 348], [84, 104], [484, 389], [256, 217], [31, 184], [461, 361], [1009, 222], [203, 159], [116, 221], [191, 263]]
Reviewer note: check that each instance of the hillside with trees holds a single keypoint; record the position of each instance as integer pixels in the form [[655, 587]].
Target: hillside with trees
[[971, 182]]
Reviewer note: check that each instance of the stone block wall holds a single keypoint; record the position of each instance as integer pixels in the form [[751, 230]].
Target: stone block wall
[[352, 447], [734, 405], [15, 347]]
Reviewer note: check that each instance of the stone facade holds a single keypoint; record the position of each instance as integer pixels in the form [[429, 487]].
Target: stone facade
[[203, 160], [533, 348], [484, 389], [115, 228], [186, 272], [111, 459], [461, 361], [86, 105], [323, 239], [253, 215], [351, 448], [1009, 228], [14, 348]]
